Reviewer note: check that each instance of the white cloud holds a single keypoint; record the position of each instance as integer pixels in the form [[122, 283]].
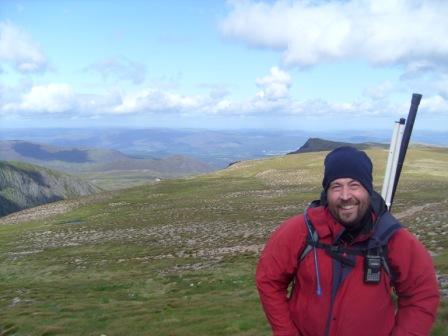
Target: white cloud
[[217, 91], [348, 111], [152, 100], [96, 104], [51, 98], [435, 104], [18, 49], [380, 91], [441, 85], [307, 32], [224, 106], [271, 101], [61, 98], [119, 68], [274, 86]]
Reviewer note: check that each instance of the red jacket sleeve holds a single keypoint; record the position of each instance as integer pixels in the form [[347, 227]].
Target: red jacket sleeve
[[416, 285], [275, 272]]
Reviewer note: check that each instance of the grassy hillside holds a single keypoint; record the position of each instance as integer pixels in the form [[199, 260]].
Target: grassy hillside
[[24, 185], [178, 257], [133, 172]]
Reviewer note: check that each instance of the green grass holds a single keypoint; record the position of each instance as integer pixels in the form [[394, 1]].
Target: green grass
[[178, 257], [116, 180]]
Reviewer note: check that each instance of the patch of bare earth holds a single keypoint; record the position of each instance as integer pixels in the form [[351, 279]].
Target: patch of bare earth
[[415, 209], [50, 209]]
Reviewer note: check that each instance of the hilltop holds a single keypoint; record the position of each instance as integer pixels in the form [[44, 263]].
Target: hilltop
[[178, 257], [24, 185], [319, 145]]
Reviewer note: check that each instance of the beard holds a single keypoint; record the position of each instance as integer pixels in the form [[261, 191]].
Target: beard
[[351, 212]]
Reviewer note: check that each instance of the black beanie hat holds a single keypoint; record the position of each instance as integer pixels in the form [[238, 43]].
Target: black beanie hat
[[348, 162]]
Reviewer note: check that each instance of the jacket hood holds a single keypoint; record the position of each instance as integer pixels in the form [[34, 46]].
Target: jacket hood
[[377, 204]]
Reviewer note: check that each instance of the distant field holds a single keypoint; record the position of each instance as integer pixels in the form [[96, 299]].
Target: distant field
[[115, 180], [178, 257]]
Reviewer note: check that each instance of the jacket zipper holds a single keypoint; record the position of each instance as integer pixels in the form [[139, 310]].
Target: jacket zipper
[[330, 315], [333, 295]]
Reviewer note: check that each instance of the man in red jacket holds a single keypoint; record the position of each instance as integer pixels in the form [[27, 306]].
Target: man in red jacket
[[333, 269]]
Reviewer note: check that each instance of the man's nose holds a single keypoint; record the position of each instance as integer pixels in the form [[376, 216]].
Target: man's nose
[[345, 193]]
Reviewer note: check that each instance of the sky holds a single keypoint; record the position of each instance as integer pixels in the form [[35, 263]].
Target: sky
[[296, 65]]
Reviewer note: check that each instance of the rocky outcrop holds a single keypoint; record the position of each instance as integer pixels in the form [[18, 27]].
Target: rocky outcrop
[[24, 185]]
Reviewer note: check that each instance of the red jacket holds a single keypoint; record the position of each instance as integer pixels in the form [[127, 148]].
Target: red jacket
[[357, 308]]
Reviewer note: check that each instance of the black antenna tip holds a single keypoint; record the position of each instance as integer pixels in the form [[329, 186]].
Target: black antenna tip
[[416, 97]]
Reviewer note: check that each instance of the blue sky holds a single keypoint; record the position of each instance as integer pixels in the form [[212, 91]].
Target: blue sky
[[318, 65]]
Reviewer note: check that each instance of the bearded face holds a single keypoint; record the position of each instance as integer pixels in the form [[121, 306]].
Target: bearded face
[[348, 201]]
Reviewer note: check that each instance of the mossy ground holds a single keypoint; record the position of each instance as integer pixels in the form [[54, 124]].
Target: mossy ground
[[178, 257]]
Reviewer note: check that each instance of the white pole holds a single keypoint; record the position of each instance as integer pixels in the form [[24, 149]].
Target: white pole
[[389, 161], [395, 164], [392, 162]]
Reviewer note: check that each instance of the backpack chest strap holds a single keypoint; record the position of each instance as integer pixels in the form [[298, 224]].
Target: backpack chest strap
[[342, 253]]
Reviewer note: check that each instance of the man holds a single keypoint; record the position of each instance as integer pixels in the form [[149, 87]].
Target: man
[[341, 260]]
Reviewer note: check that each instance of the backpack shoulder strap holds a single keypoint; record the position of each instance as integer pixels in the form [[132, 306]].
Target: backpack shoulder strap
[[385, 228], [312, 238]]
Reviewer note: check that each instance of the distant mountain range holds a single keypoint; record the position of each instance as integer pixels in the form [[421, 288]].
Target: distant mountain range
[[24, 185], [74, 160], [24, 182], [319, 145], [47, 154], [214, 147]]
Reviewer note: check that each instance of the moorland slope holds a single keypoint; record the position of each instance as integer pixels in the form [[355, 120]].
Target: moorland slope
[[178, 257]]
